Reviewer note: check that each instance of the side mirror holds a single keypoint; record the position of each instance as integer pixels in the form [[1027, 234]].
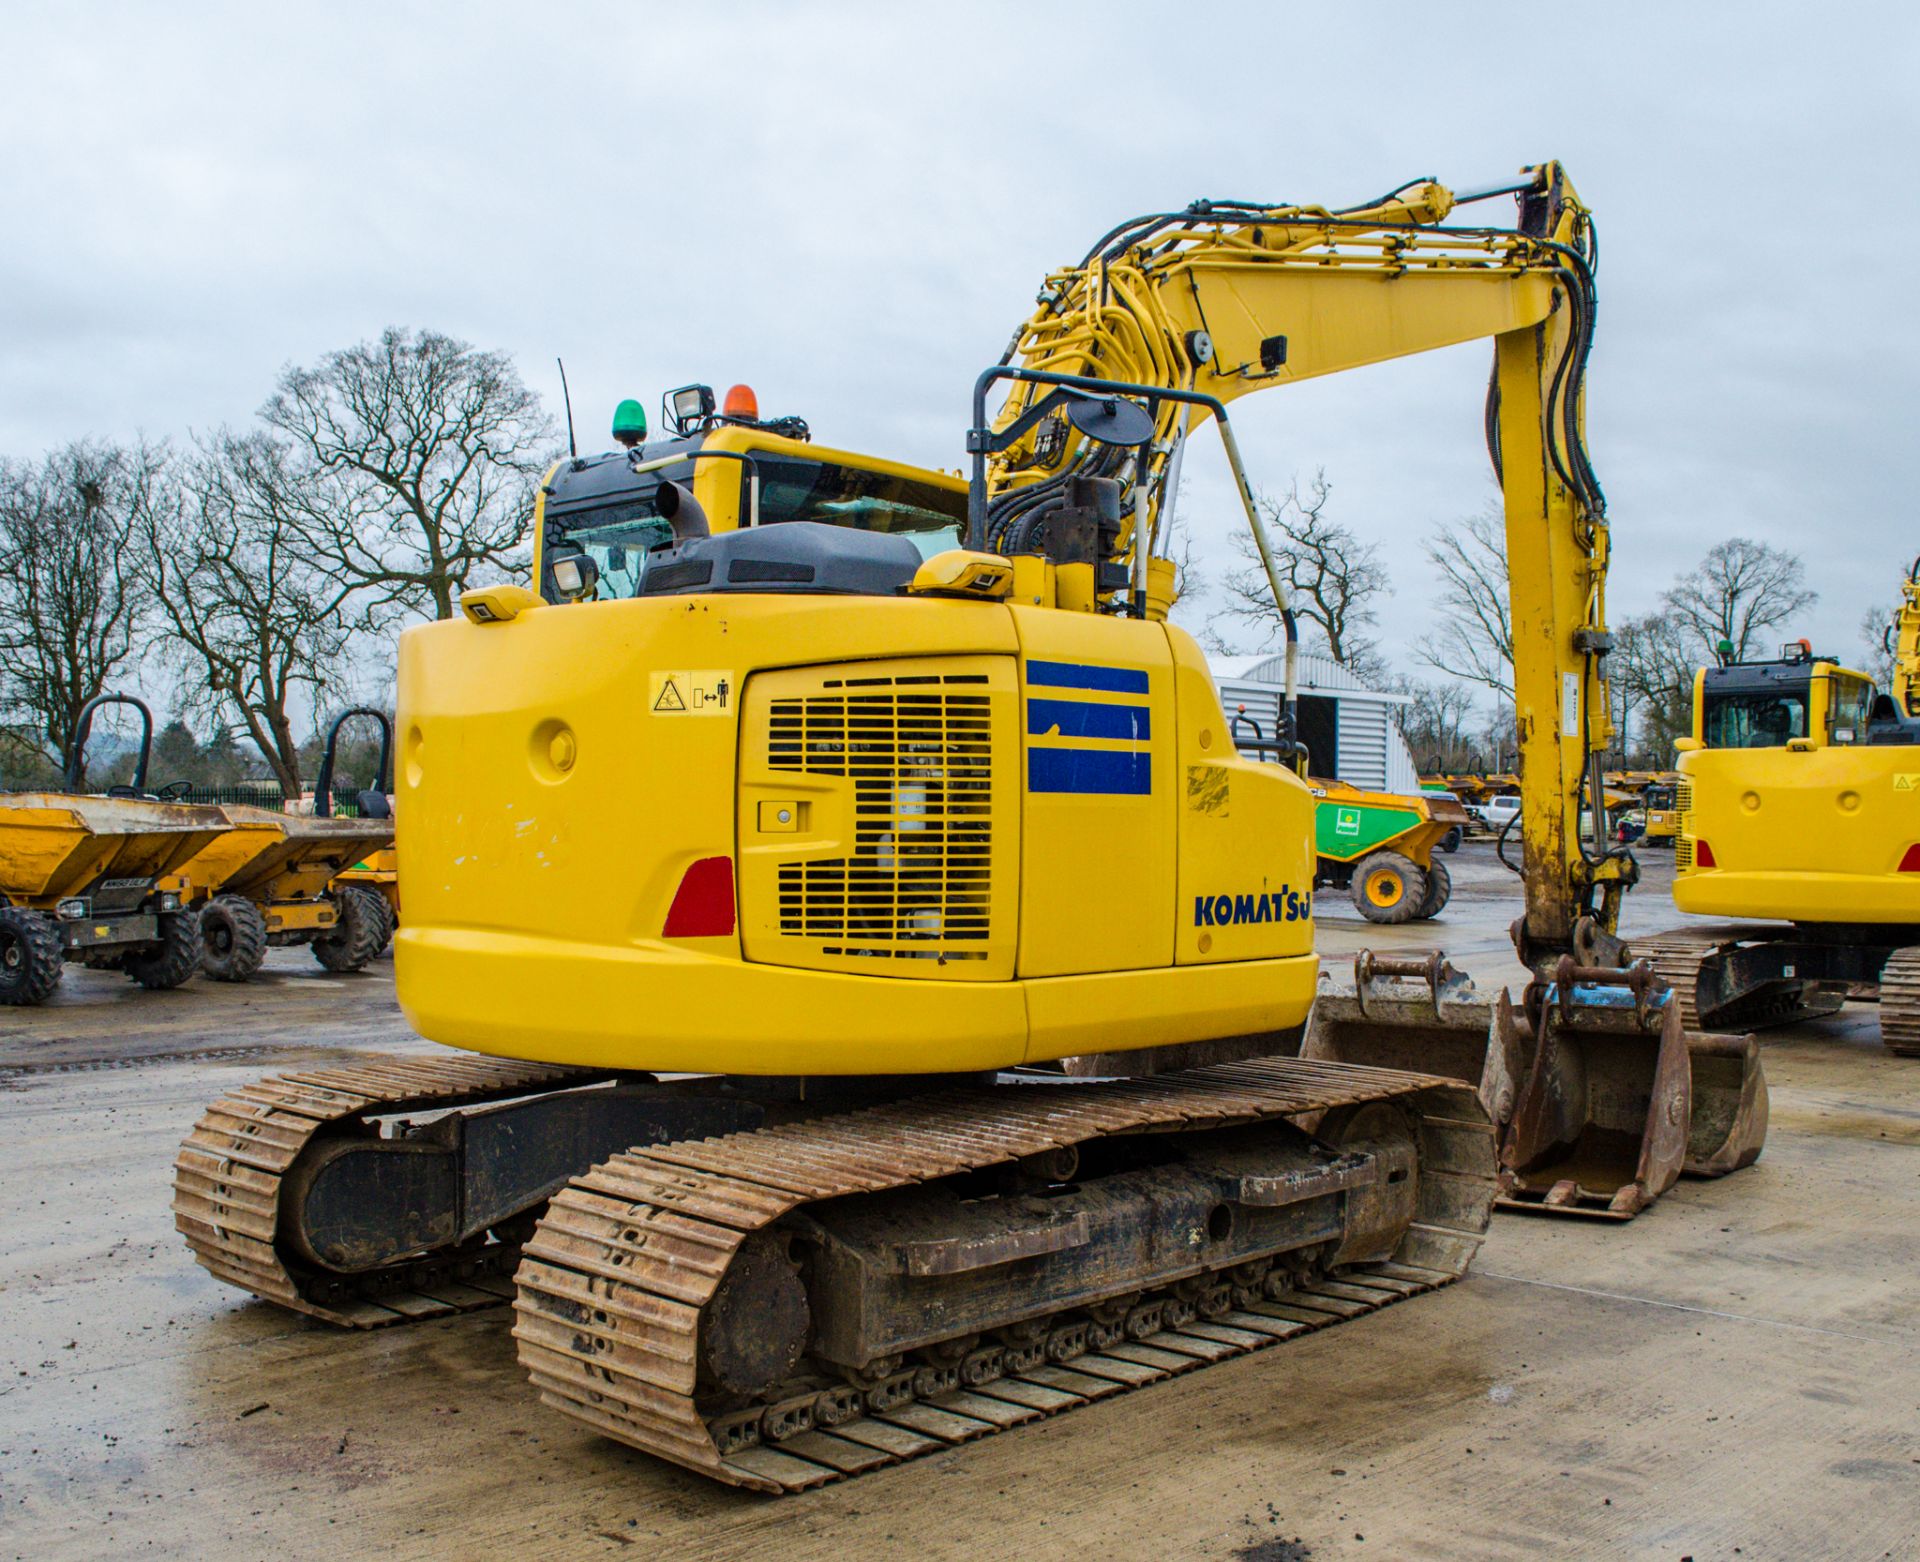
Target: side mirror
[[1687, 745], [1111, 420]]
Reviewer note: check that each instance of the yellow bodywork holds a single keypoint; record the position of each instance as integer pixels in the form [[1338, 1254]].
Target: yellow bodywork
[[637, 832], [547, 822], [282, 862], [1814, 831], [53, 845]]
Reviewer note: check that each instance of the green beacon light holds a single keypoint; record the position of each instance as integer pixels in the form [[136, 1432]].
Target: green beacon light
[[629, 423], [1725, 652]]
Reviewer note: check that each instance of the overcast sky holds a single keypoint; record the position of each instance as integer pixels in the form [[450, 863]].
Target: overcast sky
[[850, 207]]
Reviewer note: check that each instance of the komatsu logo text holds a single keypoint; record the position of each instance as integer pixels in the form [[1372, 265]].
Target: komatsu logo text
[[1280, 905]]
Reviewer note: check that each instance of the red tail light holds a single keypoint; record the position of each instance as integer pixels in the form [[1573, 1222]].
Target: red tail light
[[1911, 862], [1703, 855], [703, 904]]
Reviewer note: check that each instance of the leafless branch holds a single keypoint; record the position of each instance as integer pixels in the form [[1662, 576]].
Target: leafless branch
[[71, 606], [425, 454]]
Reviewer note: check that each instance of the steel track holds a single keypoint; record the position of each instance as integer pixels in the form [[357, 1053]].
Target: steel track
[[229, 1174], [1900, 1003], [617, 1276]]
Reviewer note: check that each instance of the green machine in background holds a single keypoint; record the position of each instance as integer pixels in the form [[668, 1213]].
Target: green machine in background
[[1383, 848]]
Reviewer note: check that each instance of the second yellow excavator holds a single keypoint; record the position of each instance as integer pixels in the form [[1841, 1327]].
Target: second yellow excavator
[[892, 975], [1800, 824]]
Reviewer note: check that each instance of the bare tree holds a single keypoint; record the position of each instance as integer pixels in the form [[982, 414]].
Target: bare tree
[[1434, 723], [1474, 640], [1876, 637], [1739, 589], [259, 618], [432, 450], [1332, 580], [1651, 672], [71, 605]]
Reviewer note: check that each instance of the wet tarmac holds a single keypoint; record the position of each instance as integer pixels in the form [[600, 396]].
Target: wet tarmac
[[1734, 1374]]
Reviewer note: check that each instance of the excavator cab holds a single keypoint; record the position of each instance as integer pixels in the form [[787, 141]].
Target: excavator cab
[[601, 522]]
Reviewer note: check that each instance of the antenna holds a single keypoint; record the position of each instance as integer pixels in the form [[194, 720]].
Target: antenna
[[566, 396]]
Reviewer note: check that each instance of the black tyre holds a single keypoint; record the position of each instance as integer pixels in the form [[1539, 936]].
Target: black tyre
[[233, 938], [1439, 890], [358, 934], [173, 959], [30, 956], [1389, 888], [1450, 842]]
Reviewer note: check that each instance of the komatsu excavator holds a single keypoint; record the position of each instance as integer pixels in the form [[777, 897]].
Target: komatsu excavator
[[891, 974], [1800, 818]]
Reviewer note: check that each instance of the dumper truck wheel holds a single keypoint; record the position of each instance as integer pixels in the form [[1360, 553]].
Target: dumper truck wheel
[[30, 956], [1389, 888], [173, 959], [1450, 842], [1439, 890], [356, 937], [233, 938], [388, 921]]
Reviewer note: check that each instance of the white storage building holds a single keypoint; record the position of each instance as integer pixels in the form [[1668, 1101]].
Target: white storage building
[[1351, 731]]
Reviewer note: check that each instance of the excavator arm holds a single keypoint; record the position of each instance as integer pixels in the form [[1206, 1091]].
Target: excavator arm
[[1905, 636], [1227, 298]]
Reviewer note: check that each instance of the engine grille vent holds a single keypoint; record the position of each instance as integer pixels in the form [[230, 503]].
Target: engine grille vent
[[1682, 851], [919, 751]]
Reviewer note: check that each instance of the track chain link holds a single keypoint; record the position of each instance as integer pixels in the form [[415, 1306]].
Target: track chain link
[[230, 1171]]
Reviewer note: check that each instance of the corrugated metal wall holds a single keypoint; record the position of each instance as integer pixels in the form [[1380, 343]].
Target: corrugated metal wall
[[1372, 752]]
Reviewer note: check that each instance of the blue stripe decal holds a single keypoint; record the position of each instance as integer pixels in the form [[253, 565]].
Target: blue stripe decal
[[1080, 675], [1102, 772], [1083, 719]]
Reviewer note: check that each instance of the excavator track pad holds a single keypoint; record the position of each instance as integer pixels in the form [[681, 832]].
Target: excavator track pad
[[1900, 1003], [797, 1304], [231, 1188]]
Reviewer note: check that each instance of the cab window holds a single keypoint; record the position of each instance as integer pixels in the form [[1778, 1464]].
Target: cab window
[[790, 490], [619, 543], [1761, 719], [1848, 702]]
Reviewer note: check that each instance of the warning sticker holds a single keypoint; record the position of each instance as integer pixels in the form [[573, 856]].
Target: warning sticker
[[1906, 781], [705, 691]]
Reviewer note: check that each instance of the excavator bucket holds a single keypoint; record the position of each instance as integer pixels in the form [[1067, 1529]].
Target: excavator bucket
[[1619, 1099], [1417, 1013], [1728, 1126]]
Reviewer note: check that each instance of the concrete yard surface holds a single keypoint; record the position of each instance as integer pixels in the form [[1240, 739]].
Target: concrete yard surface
[[1735, 1374]]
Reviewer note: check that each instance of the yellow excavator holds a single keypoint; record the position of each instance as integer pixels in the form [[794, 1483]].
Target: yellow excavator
[[891, 976], [1800, 823]]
